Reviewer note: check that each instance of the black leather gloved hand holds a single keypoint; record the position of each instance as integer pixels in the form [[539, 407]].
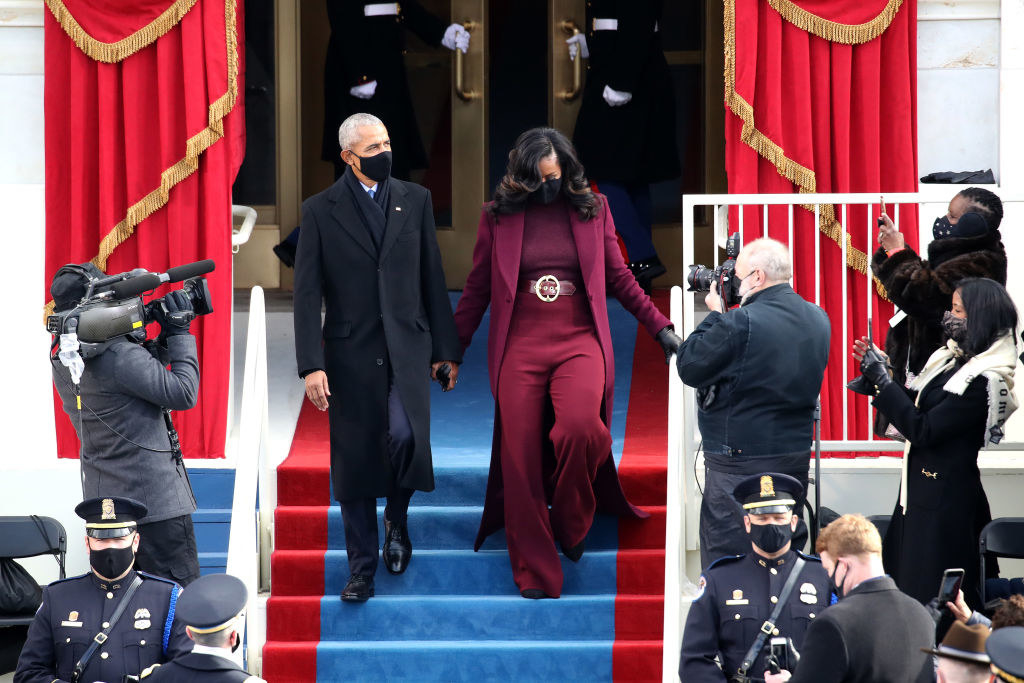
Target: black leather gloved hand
[[874, 370], [669, 340], [175, 315]]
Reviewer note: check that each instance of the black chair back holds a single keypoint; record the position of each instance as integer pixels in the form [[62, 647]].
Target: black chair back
[[1002, 537], [29, 536]]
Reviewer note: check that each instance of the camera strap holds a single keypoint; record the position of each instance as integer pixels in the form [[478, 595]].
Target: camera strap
[[102, 636], [769, 626], [179, 462]]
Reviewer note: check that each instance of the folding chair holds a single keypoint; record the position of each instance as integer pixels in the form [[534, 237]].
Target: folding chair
[[1002, 537], [28, 537]]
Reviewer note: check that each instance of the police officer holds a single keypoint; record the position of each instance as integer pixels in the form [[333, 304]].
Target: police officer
[[212, 610], [110, 623], [1005, 647], [739, 592]]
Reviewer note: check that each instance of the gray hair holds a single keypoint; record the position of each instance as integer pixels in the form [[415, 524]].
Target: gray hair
[[772, 257], [348, 133]]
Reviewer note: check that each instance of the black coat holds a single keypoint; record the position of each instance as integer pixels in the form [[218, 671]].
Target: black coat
[[364, 49], [387, 314], [199, 668], [924, 290], [636, 142], [947, 507], [735, 600], [873, 635]]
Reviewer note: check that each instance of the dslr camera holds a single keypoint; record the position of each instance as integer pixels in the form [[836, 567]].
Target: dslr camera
[[700, 277], [112, 305]]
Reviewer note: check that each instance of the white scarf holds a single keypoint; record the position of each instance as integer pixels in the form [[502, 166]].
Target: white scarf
[[996, 364]]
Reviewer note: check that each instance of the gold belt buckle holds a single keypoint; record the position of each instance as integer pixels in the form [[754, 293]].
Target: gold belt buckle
[[544, 288]]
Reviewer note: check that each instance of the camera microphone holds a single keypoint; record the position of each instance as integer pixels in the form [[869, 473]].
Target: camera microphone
[[179, 273], [134, 286]]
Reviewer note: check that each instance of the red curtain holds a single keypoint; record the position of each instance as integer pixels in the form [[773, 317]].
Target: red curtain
[[821, 96], [144, 136]]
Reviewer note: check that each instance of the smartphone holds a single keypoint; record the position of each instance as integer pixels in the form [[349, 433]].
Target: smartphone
[[779, 657], [871, 337], [950, 586]]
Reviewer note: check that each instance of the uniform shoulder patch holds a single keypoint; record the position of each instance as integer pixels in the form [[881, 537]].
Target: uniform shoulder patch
[[723, 560], [154, 577], [809, 558], [148, 670]]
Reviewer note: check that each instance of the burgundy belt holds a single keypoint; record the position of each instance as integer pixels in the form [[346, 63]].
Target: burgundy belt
[[548, 288]]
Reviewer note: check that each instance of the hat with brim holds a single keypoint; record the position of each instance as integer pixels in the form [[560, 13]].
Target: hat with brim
[[111, 517], [1005, 647], [767, 493], [966, 643], [212, 603]]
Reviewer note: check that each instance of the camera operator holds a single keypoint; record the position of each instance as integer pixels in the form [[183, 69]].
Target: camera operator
[[128, 448], [758, 370], [875, 633], [740, 594]]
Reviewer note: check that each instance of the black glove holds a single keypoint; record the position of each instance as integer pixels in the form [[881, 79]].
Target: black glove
[[874, 371], [174, 314], [669, 340]]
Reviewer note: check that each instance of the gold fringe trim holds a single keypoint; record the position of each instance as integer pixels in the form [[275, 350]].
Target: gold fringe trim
[[126, 47], [847, 34], [194, 147], [796, 173]]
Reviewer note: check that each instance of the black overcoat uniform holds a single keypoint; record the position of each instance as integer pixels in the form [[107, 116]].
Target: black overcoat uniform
[[363, 49], [873, 635], [387, 314], [735, 600], [946, 504], [635, 142], [74, 610], [199, 668]]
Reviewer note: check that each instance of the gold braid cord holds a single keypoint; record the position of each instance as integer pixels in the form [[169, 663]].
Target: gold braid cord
[[832, 31], [124, 48], [799, 175], [194, 146]]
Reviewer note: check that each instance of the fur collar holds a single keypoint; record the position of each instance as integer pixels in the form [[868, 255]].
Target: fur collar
[[940, 251]]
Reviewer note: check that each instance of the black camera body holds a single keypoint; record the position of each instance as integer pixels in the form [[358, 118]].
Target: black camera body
[[700, 277], [112, 306]]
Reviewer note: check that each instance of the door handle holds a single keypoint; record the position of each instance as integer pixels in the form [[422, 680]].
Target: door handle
[[464, 94], [570, 29]]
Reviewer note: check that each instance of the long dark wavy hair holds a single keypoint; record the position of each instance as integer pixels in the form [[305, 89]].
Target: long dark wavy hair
[[990, 313], [522, 177]]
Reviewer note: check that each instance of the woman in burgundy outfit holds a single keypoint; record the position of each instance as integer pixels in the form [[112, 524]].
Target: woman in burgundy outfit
[[545, 259]]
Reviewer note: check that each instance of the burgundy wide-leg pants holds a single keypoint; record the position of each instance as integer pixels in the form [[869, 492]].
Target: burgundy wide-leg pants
[[552, 350]]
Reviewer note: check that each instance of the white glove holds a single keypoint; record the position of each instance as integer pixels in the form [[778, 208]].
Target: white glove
[[364, 91], [456, 37], [578, 43], [615, 98]]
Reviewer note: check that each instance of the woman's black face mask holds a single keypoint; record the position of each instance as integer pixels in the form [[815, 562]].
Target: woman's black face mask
[[548, 191]]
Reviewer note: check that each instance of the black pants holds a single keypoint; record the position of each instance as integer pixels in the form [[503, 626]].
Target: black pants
[[721, 517], [360, 515], [168, 549]]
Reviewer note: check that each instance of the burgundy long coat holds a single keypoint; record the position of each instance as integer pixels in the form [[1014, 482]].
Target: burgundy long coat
[[494, 281]]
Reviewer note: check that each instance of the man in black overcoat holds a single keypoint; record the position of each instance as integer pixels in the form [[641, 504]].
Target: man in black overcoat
[[875, 633], [368, 252]]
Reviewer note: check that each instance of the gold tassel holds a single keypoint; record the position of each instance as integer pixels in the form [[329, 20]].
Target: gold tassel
[[194, 147], [801, 176], [847, 34], [111, 53]]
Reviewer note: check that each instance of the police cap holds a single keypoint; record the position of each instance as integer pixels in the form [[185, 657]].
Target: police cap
[[110, 517], [211, 603], [1005, 647], [768, 492]]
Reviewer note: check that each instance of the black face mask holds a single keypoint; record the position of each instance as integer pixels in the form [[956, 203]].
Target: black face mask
[[377, 167], [836, 588], [970, 224], [111, 563], [547, 192], [770, 537], [954, 327]]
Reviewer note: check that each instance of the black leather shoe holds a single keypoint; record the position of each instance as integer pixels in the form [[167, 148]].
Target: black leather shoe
[[534, 594], [397, 547], [574, 553], [358, 589]]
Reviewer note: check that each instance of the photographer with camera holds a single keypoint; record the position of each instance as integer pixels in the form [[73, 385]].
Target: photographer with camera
[[754, 609], [118, 392], [758, 369], [875, 633]]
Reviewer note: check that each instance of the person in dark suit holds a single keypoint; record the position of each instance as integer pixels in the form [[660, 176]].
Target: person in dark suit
[[212, 610], [77, 610], [739, 592], [628, 88], [369, 253], [545, 260], [875, 633]]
